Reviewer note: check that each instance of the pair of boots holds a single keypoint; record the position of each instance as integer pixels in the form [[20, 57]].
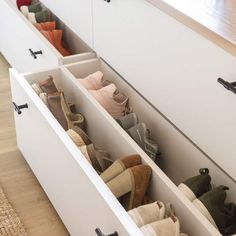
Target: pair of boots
[[211, 202], [55, 100], [156, 219], [54, 36], [106, 93], [128, 180], [140, 134]]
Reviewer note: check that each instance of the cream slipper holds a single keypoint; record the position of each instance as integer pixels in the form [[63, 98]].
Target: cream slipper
[[148, 213]]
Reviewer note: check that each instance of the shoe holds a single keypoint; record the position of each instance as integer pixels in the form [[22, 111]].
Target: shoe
[[55, 38], [212, 206], [141, 135], [128, 121], [196, 186], [32, 8], [119, 166], [46, 26], [21, 3], [94, 81], [39, 17], [131, 185], [166, 227], [46, 86], [147, 214], [100, 160], [78, 136], [57, 105], [111, 100]]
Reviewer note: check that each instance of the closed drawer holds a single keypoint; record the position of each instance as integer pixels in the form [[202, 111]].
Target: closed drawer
[[175, 69], [18, 35], [69, 181]]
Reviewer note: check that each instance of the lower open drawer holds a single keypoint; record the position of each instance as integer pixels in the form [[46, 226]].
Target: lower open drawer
[[80, 197]]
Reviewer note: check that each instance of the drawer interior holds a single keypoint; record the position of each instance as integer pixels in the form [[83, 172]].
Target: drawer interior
[[105, 132], [78, 48]]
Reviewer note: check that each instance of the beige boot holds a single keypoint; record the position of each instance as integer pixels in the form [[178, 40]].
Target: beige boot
[[119, 166], [79, 137], [167, 227], [133, 183], [72, 119], [147, 214]]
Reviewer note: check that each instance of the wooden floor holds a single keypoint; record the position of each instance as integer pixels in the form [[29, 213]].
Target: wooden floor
[[17, 180]]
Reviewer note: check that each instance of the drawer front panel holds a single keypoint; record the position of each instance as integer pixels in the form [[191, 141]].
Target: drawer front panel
[[18, 36], [175, 69], [76, 14], [81, 198]]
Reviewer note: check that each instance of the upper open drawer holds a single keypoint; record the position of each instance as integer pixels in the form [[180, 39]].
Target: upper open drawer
[[19, 36]]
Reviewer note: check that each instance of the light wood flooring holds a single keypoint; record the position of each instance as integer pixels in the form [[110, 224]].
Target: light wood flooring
[[17, 180]]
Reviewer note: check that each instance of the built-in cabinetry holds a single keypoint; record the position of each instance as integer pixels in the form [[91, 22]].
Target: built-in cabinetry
[[169, 73]]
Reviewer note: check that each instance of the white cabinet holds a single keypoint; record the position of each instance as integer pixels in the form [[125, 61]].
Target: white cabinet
[[70, 182], [18, 36], [76, 14], [175, 69]]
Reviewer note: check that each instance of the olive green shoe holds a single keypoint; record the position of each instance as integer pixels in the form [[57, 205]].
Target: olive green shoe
[[212, 206], [196, 186], [32, 8], [39, 17]]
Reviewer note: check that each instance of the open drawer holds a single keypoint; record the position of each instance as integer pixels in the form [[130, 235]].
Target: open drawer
[[78, 194], [19, 36]]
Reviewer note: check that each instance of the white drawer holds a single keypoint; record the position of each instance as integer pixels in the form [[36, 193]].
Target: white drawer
[[18, 35], [69, 181], [175, 69]]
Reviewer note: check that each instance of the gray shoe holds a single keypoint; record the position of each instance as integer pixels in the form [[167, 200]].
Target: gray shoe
[[141, 136], [128, 121]]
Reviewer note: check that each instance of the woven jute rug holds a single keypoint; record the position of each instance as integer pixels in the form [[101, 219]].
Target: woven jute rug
[[10, 223]]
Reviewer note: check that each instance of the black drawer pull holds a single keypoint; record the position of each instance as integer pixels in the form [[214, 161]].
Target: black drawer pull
[[18, 108], [34, 54], [230, 86], [107, 0], [99, 233]]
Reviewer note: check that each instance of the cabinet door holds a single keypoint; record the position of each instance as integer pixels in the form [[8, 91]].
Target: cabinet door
[[75, 14], [175, 69], [80, 197]]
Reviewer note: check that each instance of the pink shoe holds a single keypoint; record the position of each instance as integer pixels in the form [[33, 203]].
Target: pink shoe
[[94, 81], [112, 100]]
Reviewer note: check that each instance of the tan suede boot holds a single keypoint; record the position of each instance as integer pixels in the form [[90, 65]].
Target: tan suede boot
[[53, 102], [119, 166], [133, 183]]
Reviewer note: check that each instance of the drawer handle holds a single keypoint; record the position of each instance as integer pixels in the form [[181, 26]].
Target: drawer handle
[[99, 233], [19, 108], [230, 86], [34, 54], [107, 0]]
